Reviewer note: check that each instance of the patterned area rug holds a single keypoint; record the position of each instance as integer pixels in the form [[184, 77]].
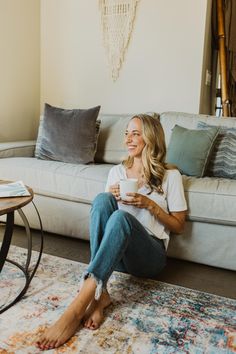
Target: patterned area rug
[[146, 316]]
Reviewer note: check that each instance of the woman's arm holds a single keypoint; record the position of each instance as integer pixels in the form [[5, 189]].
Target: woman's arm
[[174, 221]]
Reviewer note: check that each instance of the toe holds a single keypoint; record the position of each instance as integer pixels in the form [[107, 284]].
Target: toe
[[57, 344], [38, 342], [41, 344], [47, 345], [53, 344], [94, 326], [86, 323], [90, 322]]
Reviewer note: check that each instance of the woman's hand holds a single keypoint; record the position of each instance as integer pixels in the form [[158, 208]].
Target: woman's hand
[[138, 200], [174, 221], [115, 190]]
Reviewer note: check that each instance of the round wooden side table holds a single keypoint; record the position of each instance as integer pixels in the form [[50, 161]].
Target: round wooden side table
[[8, 206]]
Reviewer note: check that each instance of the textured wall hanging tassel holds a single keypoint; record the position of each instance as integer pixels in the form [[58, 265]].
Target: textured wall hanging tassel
[[117, 23]]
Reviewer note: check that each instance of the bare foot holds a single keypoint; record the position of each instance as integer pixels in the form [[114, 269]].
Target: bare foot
[[94, 314], [68, 323], [60, 332]]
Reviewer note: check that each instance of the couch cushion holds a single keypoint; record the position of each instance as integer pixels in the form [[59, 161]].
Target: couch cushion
[[57, 179], [110, 146], [190, 149], [211, 199], [190, 121], [68, 135], [17, 148]]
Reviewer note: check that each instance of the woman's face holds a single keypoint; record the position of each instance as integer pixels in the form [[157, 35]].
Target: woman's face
[[133, 138]]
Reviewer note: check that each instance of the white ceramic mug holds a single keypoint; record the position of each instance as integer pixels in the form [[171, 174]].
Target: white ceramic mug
[[129, 185]]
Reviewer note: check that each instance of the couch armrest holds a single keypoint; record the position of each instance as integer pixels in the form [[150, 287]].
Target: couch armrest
[[17, 149]]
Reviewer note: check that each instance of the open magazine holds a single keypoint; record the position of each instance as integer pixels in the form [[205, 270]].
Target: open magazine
[[13, 189]]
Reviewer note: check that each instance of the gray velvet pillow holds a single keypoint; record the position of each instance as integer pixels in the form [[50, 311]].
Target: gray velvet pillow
[[68, 135]]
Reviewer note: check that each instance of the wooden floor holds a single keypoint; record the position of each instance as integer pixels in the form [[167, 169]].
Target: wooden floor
[[192, 275]]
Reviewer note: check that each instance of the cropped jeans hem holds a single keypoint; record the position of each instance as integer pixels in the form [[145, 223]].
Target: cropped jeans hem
[[99, 284]]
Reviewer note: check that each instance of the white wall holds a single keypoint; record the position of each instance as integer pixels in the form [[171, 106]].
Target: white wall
[[19, 69], [163, 65]]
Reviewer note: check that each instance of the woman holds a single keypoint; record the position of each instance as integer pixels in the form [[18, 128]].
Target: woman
[[130, 236]]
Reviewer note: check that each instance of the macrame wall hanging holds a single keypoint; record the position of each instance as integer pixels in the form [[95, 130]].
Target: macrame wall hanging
[[117, 23]]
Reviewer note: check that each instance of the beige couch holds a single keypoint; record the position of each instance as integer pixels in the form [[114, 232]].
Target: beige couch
[[64, 192]]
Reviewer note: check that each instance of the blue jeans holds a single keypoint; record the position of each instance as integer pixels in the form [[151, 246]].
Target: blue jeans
[[118, 241]]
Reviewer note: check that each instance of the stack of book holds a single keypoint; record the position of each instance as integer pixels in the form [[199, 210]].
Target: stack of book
[[13, 189]]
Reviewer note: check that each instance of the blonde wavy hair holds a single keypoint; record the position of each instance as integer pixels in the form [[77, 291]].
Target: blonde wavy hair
[[154, 152]]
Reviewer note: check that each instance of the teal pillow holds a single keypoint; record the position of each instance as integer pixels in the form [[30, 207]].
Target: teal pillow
[[190, 150]]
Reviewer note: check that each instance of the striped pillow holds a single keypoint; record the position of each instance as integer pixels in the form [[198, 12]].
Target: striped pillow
[[223, 158]]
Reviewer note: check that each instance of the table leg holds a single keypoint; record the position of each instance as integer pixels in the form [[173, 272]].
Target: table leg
[[7, 238], [29, 274]]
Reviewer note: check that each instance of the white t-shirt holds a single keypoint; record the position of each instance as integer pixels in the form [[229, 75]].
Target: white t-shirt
[[172, 200]]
